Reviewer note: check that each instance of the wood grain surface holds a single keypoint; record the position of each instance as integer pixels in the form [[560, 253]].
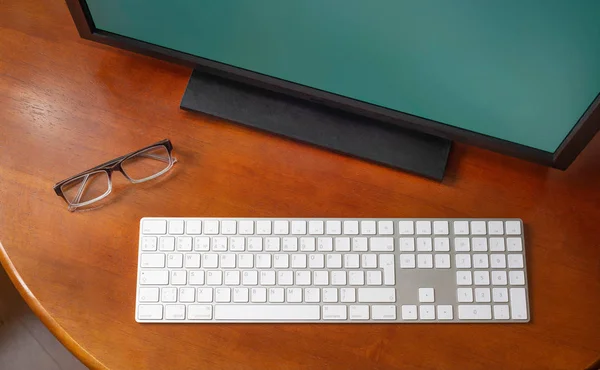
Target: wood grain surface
[[67, 104]]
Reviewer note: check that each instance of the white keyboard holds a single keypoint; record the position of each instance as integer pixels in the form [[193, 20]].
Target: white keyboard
[[331, 270]]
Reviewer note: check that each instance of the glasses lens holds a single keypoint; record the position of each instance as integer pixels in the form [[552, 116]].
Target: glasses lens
[[86, 188], [147, 164]]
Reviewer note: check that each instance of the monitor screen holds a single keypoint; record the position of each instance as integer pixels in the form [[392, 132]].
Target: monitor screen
[[521, 71]]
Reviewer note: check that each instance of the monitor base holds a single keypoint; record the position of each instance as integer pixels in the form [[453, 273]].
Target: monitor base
[[313, 123]]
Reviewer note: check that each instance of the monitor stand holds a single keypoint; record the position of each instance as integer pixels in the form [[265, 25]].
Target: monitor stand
[[316, 124]]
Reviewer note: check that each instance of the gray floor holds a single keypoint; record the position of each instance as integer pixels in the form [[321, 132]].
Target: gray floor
[[25, 343]]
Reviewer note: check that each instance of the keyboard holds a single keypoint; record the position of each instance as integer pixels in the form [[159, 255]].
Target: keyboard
[[210, 270]]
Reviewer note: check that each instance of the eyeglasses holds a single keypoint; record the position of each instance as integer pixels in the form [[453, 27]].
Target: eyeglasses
[[94, 184]]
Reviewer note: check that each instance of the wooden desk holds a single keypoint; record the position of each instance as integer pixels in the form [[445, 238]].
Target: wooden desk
[[68, 104]]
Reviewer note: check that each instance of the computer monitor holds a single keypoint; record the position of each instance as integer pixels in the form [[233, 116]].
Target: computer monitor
[[518, 77]]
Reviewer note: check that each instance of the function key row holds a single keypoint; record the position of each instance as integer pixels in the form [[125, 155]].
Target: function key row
[[330, 227]]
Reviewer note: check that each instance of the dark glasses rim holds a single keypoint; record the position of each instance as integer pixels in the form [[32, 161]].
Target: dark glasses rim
[[112, 164]]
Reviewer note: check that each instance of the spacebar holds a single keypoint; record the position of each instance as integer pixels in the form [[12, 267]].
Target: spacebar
[[267, 312]]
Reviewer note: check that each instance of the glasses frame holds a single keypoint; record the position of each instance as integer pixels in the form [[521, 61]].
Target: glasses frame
[[111, 166]]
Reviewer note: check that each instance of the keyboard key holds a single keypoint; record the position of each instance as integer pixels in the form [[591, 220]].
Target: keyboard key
[[150, 312], [199, 312], [210, 260], [482, 295], [440, 227], [187, 295], [463, 261], [441, 244], [201, 243], [359, 312], [222, 295], [515, 261], [409, 312], [303, 278], [381, 312], [386, 262], [480, 261], [356, 277], [232, 278], [148, 295], [316, 261], [149, 277], [246, 227], [479, 244], [175, 260], [258, 295], [461, 227], [376, 295], [228, 227], [423, 227], [444, 312], [427, 312], [351, 227], [214, 277], [176, 227], [351, 260], [250, 278], [424, 261], [166, 243], [285, 278], [315, 227], [281, 261], [149, 243], [334, 261], [299, 227], [299, 261], [227, 260], [245, 261], [334, 312], [219, 243], [406, 228], [385, 227], [426, 295], [374, 278], [237, 244], [407, 244], [514, 244], [325, 244], [154, 227], [267, 312], [338, 278], [500, 294], [263, 261], [462, 245], [495, 227], [192, 260], [333, 227], [368, 227], [498, 261], [481, 277], [342, 244], [478, 228], [281, 227], [294, 295], [307, 244], [263, 227], [474, 312], [359, 244], [347, 295], [382, 244], [516, 277], [501, 312], [499, 278], [518, 304], [272, 244], [267, 277], [463, 278], [497, 244], [424, 245], [442, 261], [312, 295], [464, 295], [211, 227], [276, 295], [204, 295], [175, 312], [320, 278], [193, 227], [196, 277], [255, 244], [407, 261], [330, 295], [152, 260], [513, 228]]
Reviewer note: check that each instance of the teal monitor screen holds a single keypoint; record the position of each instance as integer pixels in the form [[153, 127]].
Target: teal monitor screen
[[524, 71]]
